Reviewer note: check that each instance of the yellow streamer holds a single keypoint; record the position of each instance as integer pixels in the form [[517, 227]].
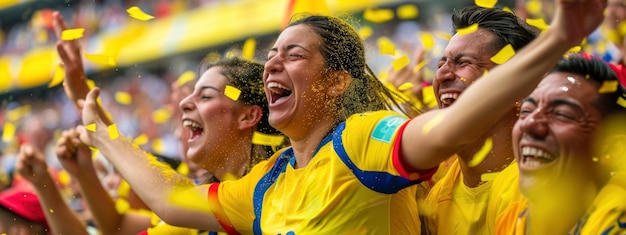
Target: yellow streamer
[[482, 153]]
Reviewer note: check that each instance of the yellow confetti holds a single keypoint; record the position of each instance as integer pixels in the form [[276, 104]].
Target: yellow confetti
[[419, 66], [158, 146], [488, 176], [365, 32], [482, 153], [141, 139], [232, 92], [467, 30], [608, 87], [575, 49], [72, 34], [113, 133], [538, 23], [485, 72], [432, 123], [386, 46], [405, 86], [161, 115], [100, 59], [64, 177], [508, 9], [622, 102], [90, 84], [59, 74], [137, 13], [183, 169], [534, 7], [378, 16], [266, 139], [91, 127], [503, 55], [123, 98], [621, 28], [123, 189], [407, 12], [248, 49], [428, 41], [186, 77], [51, 211], [400, 63], [443, 35], [8, 132], [486, 3], [121, 205]]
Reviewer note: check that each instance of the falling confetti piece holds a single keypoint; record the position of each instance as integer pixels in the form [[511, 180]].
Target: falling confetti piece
[[482, 153], [504, 54], [575, 49], [123, 189], [113, 133], [99, 59], [386, 46], [467, 30], [137, 13], [428, 41], [248, 49], [443, 35], [405, 86], [186, 77], [64, 177], [508, 9], [365, 32], [121, 205], [534, 7], [72, 34], [400, 63], [8, 132], [419, 66], [378, 16], [621, 101], [141, 139], [538, 23], [486, 3], [51, 211], [488, 176], [161, 115], [407, 12], [432, 123], [91, 127], [59, 74], [158, 146], [90, 84], [266, 139], [123, 98], [232, 92], [608, 87]]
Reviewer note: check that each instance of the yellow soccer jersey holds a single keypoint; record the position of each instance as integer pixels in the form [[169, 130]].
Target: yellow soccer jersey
[[453, 208], [354, 184], [606, 216]]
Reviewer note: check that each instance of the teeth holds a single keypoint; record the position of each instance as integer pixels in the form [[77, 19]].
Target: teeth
[[192, 124], [536, 153], [446, 96], [277, 85]]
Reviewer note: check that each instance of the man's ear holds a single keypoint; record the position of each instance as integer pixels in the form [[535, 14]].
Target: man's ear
[[339, 83], [250, 116]]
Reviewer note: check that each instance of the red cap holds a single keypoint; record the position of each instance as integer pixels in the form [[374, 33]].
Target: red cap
[[23, 203]]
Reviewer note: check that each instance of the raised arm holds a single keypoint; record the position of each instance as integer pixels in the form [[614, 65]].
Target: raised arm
[[76, 159], [75, 81], [434, 136], [153, 181], [31, 164]]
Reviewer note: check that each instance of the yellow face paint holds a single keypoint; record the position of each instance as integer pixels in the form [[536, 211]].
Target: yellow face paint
[[432, 123], [137, 13], [503, 55], [482, 153], [72, 34]]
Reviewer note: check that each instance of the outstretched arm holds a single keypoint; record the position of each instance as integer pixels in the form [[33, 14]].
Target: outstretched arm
[[61, 219], [152, 180], [76, 159], [75, 81], [434, 136]]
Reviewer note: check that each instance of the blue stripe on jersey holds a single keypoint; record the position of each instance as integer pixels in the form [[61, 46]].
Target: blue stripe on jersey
[[270, 178], [382, 182]]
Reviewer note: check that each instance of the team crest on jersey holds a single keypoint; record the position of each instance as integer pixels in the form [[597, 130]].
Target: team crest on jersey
[[385, 128]]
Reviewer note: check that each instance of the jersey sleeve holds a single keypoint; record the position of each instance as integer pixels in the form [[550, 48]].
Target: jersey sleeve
[[232, 201], [372, 142]]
